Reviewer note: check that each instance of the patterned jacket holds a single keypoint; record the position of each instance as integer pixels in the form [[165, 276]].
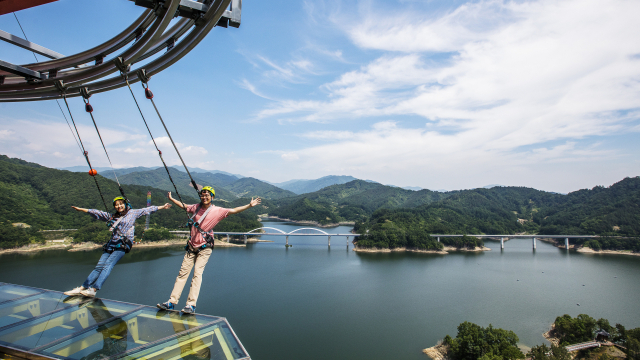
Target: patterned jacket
[[125, 229]]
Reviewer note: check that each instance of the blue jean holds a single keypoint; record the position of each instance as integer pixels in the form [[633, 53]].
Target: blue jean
[[102, 270]]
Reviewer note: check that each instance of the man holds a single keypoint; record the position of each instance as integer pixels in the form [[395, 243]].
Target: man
[[198, 250]]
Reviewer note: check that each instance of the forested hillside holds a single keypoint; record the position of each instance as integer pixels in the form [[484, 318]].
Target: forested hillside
[[158, 178], [250, 187], [513, 210], [42, 198]]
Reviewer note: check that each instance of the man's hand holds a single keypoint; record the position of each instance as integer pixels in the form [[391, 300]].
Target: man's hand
[[255, 202], [165, 206], [79, 209]]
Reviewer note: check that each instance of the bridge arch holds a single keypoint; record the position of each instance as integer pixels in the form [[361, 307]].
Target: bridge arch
[[312, 229], [263, 228]]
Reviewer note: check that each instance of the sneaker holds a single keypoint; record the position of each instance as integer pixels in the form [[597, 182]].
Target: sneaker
[[90, 292], [75, 292], [189, 309], [166, 305]]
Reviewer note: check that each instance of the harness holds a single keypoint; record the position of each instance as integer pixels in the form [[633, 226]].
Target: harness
[[124, 245], [205, 235]]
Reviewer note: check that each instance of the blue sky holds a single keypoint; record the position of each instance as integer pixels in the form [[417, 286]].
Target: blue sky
[[435, 94]]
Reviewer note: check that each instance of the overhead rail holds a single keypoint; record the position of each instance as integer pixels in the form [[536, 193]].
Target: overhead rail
[[147, 36]]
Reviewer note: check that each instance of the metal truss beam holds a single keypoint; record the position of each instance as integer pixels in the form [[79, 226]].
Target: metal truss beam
[[26, 44], [20, 71]]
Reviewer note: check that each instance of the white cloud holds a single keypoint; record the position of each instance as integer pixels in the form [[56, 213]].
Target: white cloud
[[489, 78]]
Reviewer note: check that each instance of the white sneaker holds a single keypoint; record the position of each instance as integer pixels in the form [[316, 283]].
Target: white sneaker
[[75, 292], [90, 292]]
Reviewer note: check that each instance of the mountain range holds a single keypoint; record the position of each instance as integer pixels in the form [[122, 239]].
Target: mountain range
[[499, 209]]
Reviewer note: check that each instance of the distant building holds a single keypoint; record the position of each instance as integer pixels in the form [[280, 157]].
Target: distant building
[[602, 335]]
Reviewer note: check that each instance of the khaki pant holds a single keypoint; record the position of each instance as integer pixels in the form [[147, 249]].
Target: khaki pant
[[200, 260]]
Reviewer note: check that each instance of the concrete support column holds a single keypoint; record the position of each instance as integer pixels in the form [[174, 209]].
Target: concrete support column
[[329, 240], [245, 239], [347, 241], [534, 243], [287, 245], [501, 243], [566, 243], [438, 238], [227, 237]]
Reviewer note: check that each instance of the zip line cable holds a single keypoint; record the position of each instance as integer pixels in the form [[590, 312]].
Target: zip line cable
[[149, 95], [58, 102], [89, 109], [124, 75], [84, 152]]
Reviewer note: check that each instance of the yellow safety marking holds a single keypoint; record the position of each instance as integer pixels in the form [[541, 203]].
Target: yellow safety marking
[[116, 337], [18, 316], [190, 323], [80, 345], [191, 352], [141, 342], [132, 325], [223, 344], [66, 327], [179, 344], [34, 307], [82, 315]]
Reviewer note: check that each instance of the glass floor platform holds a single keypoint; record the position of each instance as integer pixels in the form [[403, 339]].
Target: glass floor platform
[[43, 324]]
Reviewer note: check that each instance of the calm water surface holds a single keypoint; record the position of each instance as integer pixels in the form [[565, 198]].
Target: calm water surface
[[315, 302]]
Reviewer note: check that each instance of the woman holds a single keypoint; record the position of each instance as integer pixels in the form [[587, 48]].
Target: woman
[[122, 228]]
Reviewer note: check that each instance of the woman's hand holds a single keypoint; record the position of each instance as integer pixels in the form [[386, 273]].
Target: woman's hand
[[165, 206], [80, 209]]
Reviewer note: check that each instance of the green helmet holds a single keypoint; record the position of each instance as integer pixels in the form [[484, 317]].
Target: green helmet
[[209, 189], [126, 203]]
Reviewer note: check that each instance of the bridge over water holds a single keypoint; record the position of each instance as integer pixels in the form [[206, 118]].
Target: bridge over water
[[308, 231]]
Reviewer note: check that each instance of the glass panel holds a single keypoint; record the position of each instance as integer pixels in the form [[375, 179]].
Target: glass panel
[[131, 331], [35, 305], [60, 324], [10, 292], [211, 342]]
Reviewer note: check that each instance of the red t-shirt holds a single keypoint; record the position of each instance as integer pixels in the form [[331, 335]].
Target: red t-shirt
[[213, 218]]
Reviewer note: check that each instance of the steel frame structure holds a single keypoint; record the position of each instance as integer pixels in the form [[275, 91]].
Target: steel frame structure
[[145, 37]]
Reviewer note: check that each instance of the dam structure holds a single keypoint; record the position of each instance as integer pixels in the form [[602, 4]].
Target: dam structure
[[38, 324]]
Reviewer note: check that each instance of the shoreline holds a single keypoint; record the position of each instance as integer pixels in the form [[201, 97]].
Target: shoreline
[[588, 250], [309, 222], [446, 250]]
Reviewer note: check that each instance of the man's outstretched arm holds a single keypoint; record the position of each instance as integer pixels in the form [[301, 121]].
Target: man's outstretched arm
[[240, 209]]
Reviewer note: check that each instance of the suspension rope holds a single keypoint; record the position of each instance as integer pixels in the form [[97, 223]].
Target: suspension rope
[[126, 78], [89, 109], [58, 102], [149, 95], [84, 152]]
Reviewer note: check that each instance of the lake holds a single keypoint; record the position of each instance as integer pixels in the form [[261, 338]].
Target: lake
[[311, 301]]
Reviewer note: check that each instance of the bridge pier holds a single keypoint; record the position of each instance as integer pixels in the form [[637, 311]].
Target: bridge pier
[[287, 244], [566, 243], [534, 243], [227, 237], [245, 239], [501, 243], [438, 238], [347, 242], [329, 240]]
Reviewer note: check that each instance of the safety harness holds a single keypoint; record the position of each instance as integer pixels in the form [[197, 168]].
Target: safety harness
[[124, 242], [205, 235]]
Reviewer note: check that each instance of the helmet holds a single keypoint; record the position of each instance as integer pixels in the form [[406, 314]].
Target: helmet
[[209, 189], [126, 202]]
